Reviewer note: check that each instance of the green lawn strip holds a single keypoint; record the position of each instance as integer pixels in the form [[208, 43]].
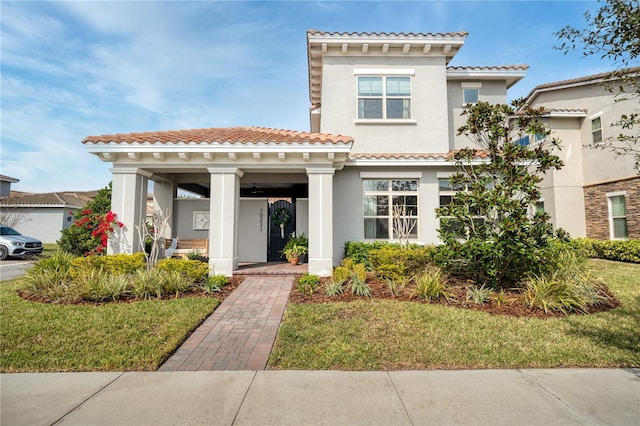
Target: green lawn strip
[[110, 337], [382, 334]]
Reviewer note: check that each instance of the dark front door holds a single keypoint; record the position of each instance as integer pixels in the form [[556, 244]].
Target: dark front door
[[280, 212]]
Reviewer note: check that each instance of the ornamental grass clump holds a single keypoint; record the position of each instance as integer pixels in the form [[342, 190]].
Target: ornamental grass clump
[[334, 287], [359, 286], [571, 287], [478, 295], [49, 277], [431, 284]]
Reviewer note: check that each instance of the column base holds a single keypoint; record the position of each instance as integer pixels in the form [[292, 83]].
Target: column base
[[322, 267], [223, 266]]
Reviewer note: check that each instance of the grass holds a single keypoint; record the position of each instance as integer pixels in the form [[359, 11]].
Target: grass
[[111, 337], [392, 335]]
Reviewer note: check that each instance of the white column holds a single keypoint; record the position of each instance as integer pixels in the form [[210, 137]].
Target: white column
[[164, 193], [321, 221], [129, 202], [223, 220]]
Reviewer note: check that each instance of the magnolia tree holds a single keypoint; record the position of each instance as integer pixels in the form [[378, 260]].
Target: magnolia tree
[[489, 229]]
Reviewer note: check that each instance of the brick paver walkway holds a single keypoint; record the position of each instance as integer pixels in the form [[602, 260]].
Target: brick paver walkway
[[239, 334]]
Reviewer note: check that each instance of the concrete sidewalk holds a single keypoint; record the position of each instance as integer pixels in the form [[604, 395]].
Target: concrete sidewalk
[[511, 397]]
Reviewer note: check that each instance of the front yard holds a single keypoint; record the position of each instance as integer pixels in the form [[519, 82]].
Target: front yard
[[393, 335], [134, 336], [359, 335]]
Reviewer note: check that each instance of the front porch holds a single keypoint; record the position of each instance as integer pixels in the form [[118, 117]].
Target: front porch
[[228, 168]]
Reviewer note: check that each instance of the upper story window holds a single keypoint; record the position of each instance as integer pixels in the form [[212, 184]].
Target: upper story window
[[596, 129], [470, 92], [384, 97], [470, 96]]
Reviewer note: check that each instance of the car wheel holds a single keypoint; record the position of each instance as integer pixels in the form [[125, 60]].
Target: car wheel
[[4, 252]]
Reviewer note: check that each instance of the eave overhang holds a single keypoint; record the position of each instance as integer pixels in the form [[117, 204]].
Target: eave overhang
[[509, 73], [320, 44]]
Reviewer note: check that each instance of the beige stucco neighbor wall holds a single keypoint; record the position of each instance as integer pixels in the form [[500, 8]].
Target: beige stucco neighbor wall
[[598, 165], [597, 207], [45, 224]]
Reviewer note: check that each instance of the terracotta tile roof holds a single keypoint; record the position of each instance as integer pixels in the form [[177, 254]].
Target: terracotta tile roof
[[412, 156], [594, 78], [520, 67], [228, 135], [389, 35], [73, 199], [5, 178]]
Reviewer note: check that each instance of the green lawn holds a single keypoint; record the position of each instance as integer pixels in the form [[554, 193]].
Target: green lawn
[[110, 337], [390, 335]]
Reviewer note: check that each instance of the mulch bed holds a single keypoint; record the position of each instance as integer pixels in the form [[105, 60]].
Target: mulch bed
[[458, 288]]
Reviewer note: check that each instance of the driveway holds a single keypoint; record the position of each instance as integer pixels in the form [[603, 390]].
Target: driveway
[[13, 268]]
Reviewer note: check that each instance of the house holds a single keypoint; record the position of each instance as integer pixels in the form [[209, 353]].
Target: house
[[44, 215], [383, 115], [596, 194], [5, 185]]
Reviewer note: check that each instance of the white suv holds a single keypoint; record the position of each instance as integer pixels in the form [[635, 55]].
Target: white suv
[[12, 243]]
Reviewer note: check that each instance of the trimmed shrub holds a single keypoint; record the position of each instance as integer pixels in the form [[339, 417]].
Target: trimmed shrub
[[194, 270], [116, 264], [359, 252], [393, 263], [620, 250]]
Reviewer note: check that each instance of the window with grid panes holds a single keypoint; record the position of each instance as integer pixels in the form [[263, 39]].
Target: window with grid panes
[[618, 217], [384, 97], [379, 198]]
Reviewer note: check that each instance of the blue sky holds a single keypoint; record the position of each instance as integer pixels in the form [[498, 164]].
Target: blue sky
[[74, 69]]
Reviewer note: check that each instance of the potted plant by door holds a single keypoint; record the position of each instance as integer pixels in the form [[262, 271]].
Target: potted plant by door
[[293, 252]]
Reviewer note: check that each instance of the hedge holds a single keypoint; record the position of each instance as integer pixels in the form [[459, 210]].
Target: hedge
[[620, 250]]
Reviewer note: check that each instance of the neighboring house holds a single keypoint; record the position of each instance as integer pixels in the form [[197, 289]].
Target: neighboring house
[[45, 216], [393, 94], [5, 185], [596, 194]]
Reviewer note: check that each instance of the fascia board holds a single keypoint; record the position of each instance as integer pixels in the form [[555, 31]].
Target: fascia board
[[221, 148]]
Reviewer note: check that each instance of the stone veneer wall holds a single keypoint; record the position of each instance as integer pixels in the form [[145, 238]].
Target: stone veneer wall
[[597, 208]]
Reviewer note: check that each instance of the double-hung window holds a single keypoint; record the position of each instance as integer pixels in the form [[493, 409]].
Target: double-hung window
[[380, 198], [617, 215], [596, 129], [384, 97]]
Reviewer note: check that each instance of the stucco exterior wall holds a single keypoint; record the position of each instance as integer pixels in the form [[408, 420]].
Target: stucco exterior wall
[[183, 217], [598, 165], [429, 132], [562, 189], [253, 230], [494, 92]]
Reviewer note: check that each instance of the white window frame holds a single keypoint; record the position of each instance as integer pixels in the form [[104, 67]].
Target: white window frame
[[390, 193], [383, 74], [470, 86], [597, 131], [610, 197]]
